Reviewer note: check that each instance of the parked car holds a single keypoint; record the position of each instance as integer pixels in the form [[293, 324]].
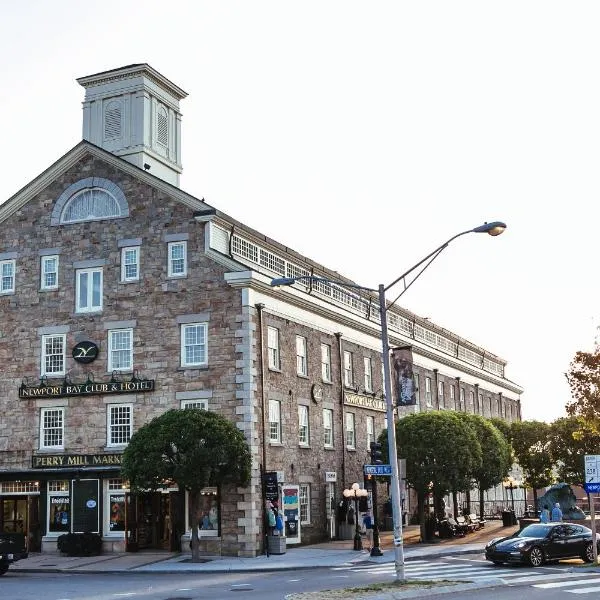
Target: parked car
[[13, 546], [543, 542]]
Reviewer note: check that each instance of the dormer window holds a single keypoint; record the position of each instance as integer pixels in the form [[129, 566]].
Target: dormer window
[[90, 199]]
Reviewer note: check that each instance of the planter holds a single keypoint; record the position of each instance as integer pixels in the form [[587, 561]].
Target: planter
[[276, 544]]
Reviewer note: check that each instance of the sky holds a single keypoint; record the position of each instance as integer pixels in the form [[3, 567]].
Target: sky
[[364, 135]]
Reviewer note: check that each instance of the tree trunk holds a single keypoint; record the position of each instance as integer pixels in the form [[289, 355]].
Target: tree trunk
[[421, 513], [195, 502], [481, 502], [455, 503], [535, 500]]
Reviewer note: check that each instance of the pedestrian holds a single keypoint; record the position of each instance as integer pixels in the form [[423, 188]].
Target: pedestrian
[[545, 514], [556, 513], [368, 528]]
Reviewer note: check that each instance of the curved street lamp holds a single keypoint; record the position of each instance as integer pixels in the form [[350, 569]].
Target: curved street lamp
[[356, 492], [494, 228]]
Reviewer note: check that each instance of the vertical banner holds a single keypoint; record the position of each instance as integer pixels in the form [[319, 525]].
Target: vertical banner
[[404, 383]]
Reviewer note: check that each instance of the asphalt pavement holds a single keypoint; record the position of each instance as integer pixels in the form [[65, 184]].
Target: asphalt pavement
[[328, 554]]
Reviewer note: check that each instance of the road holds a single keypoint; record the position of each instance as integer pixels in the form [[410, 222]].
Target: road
[[548, 582]]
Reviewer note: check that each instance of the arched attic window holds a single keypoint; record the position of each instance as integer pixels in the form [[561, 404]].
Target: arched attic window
[[90, 199]]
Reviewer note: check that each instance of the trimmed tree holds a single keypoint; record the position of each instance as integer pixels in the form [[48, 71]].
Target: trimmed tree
[[192, 447], [584, 380]]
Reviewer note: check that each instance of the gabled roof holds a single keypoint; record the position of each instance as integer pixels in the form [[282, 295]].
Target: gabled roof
[[72, 157]]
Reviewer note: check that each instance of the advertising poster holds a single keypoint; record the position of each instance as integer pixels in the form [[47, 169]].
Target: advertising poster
[[291, 513], [404, 383]]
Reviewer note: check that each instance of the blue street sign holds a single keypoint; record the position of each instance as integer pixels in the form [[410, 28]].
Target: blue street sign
[[591, 488], [377, 469]]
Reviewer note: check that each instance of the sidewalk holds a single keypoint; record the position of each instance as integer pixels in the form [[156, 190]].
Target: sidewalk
[[325, 555]]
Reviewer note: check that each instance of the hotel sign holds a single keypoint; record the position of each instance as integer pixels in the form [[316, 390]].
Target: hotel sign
[[86, 389], [364, 402], [53, 461]]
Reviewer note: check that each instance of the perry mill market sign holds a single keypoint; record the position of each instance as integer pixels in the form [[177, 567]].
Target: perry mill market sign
[[86, 389], [52, 461], [364, 402]]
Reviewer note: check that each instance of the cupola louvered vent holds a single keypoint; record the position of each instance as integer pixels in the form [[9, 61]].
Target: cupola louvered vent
[[112, 121], [162, 127]]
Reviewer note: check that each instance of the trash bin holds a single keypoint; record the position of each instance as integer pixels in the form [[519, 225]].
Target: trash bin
[[508, 518], [276, 544]]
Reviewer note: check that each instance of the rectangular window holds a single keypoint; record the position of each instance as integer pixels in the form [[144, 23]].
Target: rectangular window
[[428, 391], [301, 356], [326, 362], [303, 427], [193, 345], [7, 276], [370, 431], [275, 421], [200, 403], [461, 396], [480, 405], [177, 259], [59, 507], [120, 350], [273, 348], [52, 424], [119, 424], [328, 428], [350, 431], [441, 394], [130, 263], [348, 374], [53, 355], [304, 499], [368, 374], [88, 290], [115, 501], [49, 272], [472, 400], [417, 389], [452, 397]]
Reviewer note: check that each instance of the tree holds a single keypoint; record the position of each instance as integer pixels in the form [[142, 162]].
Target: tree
[[496, 458], [531, 446], [440, 451], [584, 381], [193, 448]]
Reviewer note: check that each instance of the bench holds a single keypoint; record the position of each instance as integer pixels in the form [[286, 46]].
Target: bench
[[464, 525], [475, 520]]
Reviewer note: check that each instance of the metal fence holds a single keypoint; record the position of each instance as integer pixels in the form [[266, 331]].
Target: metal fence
[[492, 509]]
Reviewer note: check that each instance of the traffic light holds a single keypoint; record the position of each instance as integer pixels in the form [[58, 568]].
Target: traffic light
[[376, 454]]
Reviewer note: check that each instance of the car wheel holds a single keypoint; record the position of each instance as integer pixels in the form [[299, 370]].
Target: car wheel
[[497, 563], [536, 557], [588, 555]]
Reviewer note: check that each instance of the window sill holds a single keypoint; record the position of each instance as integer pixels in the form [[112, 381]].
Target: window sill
[[302, 376], [276, 444], [329, 448], [44, 290], [125, 282], [175, 277], [351, 448], [307, 446], [193, 368], [327, 382], [274, 370]]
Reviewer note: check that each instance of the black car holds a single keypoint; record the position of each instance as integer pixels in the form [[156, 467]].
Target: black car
[[542, 542]]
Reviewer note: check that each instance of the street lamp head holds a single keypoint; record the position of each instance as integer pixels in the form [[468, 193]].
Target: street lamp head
[[282, 281], [494, 228]]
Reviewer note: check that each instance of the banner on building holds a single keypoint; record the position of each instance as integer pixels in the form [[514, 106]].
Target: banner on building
[[404, 382]]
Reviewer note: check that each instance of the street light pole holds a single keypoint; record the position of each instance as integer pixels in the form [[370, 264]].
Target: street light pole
[[495, 228]]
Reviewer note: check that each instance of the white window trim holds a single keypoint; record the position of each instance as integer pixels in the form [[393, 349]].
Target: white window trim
[[43, 371], [303, 422], [170, 246], [109, 408], [326, 364], [111, 367], [350, 418], [13, 264], [277, 439], [90, 272], [304, 487], [60, 446], [124, 251], [428, 398], [301, 356], [441, 399], [348, 369], [328, 411], [273, 350], [43, 272], [201, 403], [370, 430], [183, 361], [368, 367]]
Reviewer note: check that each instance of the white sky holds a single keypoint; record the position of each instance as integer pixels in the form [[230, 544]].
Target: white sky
[[363, 135]]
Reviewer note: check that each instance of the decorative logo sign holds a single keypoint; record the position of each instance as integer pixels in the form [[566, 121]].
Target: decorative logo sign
[[317, 392], [85, 352], [53, 461], [89, 388]]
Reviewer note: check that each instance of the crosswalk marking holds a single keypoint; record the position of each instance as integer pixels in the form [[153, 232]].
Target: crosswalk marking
[[558, 584], [590, 590]]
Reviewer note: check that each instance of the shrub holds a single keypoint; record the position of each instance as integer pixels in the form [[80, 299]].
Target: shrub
[[80, 544]]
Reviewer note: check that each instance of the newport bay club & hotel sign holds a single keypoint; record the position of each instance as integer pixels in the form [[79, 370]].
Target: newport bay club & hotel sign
[[89, 388]]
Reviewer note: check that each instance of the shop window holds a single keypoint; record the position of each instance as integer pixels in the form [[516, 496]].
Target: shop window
[[304, 503], [208, 514], [59, 507], [116, 505]]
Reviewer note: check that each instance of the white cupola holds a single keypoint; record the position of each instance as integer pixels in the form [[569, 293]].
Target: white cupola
[[133, 112]]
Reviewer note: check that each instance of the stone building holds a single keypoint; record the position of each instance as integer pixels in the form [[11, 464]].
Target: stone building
[[122, 296]]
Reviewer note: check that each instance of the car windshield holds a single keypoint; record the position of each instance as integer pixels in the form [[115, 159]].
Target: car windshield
[[536, 531]]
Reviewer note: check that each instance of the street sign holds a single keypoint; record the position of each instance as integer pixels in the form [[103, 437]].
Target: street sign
[[592, 468], [377, 469], [591, 488]]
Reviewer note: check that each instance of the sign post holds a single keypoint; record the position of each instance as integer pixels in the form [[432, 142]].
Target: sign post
[[591, 486]]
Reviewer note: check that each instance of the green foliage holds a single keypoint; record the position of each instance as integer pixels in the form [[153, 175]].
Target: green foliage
[[192, 447], [584, 381], [531, 446], [441, 451], [503, 427], [570, 440]]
